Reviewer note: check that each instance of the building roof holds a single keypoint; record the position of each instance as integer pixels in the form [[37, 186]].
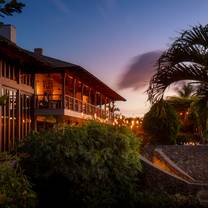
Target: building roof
[[45, 64]]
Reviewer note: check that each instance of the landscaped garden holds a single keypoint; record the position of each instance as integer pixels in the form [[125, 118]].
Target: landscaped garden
[[93, 165], [157, 161]]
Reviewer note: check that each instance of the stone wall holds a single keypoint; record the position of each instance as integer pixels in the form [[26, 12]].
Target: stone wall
[[191, 159], [162, 180]]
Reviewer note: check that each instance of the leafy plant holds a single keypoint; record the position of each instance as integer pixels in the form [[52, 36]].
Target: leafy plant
[[15, 190], [7, 8], [99, 164], [161, 124]]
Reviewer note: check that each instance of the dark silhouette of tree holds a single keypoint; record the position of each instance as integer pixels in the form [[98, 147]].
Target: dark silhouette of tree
[[186, 91], [161, 123], [186, 59], [8, 8]]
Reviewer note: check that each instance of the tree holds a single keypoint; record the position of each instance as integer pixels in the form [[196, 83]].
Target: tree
[[7, 8], [161, 123], [94, 165], [186, 59], [186, 91]]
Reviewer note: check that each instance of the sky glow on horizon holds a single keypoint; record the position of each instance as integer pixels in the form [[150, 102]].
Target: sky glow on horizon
[[104, 36]]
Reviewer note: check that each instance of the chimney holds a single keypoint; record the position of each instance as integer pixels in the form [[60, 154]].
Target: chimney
[[38, 51], [8, 32]]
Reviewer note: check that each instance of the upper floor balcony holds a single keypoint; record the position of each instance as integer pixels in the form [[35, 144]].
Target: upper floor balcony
[[62, 95], [57, 104]]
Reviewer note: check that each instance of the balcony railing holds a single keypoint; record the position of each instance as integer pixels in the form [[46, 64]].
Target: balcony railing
[[55, 101]]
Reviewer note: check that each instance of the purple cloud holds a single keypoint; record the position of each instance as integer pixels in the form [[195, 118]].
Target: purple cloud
[[140, 71]]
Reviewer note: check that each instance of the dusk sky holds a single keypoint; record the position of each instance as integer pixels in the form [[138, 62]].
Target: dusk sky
[[107, 37]]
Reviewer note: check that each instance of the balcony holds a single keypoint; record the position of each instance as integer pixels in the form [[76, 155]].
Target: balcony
[[54, 104]]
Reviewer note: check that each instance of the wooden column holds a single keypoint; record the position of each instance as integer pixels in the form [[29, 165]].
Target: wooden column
[[63, 89], [105, 107], [113, 109], [74, 93], [95, 101], [18, 107], [109, 109], [82, 91], [89, 109]]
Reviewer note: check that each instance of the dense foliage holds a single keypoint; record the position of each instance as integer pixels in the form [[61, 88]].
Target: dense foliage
[[8, 7], [161, 124], [185, 59], [15, 190], [94, 165]]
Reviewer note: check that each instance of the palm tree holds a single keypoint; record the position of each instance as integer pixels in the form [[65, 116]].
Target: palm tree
[[186, 91], [185, 96], [186, 59]]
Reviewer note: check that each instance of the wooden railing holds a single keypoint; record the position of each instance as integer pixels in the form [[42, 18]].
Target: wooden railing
[[55, 101], [48, 101]]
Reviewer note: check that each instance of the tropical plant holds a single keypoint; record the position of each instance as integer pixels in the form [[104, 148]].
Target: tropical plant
[[7, 8], [93, 165], [186, 59], [185, 91], [15, 190], [161, 123]]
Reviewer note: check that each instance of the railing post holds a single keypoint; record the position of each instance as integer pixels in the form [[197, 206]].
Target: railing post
[[63, 89]]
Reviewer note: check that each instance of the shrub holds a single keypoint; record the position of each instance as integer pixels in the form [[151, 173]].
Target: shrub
[[97, 165], [15, 190], [161, 124]]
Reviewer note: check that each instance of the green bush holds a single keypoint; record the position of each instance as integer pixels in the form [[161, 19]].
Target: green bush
[[161, 124], [15, 190], [99, 163]]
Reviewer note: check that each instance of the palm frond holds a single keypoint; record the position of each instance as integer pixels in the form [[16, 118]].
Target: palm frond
[[186, 59], [168, 75]]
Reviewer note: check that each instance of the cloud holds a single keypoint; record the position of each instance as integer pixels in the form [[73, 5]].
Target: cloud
[[139, 72], [61, 6]]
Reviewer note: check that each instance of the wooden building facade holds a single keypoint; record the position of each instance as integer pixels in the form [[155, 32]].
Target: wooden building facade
[[41, 92]]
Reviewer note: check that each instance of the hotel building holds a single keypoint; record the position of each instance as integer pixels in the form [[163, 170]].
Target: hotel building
[[42, 91]]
